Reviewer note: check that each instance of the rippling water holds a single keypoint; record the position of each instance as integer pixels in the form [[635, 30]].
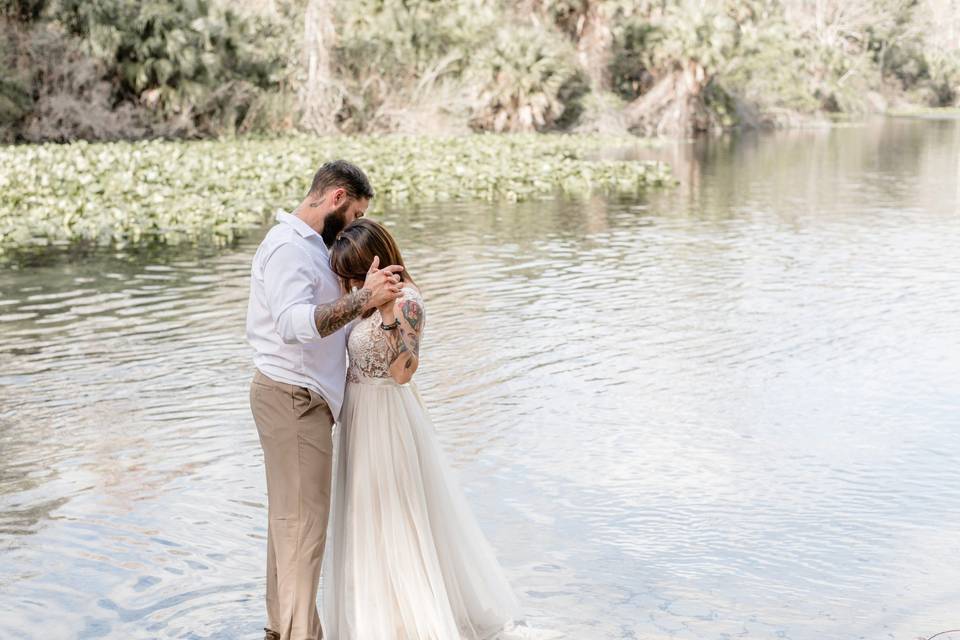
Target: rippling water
[[731, 410]]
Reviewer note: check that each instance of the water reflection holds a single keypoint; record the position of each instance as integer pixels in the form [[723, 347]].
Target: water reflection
[[725, 410]]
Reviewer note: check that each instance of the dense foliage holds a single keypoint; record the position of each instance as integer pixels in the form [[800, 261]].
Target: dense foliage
[[114, 69], [169, 191], [103, 69]]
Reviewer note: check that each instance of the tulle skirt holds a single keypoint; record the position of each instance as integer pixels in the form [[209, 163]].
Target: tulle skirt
[[406, 559]]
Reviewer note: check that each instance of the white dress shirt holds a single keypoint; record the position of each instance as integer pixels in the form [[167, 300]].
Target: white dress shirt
[[289, 277]]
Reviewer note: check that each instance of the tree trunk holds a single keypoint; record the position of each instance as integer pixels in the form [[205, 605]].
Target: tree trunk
[[594, 46], [675, 105], [320, 97]]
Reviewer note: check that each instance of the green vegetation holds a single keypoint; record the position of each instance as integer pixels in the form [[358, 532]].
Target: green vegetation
[[169, 192], [126, 69], [120, 69], [393, 73]]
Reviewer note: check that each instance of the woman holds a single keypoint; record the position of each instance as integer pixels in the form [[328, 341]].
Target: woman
[[409, 561]]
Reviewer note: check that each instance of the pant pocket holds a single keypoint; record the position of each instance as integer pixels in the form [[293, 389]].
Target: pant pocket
[[306, 401]]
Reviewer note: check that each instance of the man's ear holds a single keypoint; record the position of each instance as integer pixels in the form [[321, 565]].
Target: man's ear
[[339, 195]]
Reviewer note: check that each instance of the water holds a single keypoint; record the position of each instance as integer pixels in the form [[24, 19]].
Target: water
[[731, 410]]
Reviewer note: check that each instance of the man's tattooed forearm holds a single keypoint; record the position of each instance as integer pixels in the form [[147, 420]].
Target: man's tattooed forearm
[[333, 316]]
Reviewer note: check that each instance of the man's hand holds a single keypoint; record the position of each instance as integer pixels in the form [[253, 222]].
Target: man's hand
[[383, 284]]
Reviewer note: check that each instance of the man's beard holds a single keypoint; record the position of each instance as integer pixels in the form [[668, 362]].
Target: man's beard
[[333, 223]]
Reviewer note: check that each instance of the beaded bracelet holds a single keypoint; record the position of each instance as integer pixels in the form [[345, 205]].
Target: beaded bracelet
[[392, 325]]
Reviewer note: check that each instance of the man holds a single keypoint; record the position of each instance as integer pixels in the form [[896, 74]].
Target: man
[[295, 323]]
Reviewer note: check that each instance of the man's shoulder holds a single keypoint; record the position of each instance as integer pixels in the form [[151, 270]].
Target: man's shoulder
[[280, 234], [275, 239]]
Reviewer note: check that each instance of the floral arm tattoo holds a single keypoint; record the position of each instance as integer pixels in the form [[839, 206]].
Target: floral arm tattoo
[[333, 316], [404, 341]]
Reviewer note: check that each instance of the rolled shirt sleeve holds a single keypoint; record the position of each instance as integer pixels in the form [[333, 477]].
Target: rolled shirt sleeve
[[290, 289]]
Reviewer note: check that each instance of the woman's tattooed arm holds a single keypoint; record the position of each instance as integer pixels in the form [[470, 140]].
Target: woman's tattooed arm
[[404, 341], [335, 315]]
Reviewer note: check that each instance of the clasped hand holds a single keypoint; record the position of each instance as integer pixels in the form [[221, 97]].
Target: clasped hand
[[384, 284]]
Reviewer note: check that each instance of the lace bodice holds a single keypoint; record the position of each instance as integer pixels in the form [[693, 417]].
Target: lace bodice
[[367, 347]]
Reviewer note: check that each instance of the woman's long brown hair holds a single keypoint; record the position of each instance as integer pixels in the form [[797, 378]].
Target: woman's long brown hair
[[354, 250]]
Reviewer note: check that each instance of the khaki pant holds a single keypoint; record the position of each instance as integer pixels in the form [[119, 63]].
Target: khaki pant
[[295, 425]]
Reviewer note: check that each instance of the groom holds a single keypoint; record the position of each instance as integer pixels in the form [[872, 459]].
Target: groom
[[295, 321]]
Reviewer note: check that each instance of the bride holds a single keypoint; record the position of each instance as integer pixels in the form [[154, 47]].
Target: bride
[[407, 558]]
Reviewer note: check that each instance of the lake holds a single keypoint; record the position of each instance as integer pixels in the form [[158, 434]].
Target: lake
[[726, 410]]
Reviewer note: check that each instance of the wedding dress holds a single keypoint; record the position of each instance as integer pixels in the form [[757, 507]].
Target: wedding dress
[[406, 558]]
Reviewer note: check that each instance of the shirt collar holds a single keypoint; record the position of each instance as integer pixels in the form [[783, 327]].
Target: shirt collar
[[301, 227]]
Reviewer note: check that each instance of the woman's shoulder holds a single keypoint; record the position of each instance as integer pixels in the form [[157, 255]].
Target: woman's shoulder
[[410, 292]]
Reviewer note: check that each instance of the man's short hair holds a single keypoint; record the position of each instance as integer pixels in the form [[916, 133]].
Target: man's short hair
[[341, 174]]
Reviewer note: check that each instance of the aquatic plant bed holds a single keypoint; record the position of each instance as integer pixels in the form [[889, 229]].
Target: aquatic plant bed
[[210, 192]]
